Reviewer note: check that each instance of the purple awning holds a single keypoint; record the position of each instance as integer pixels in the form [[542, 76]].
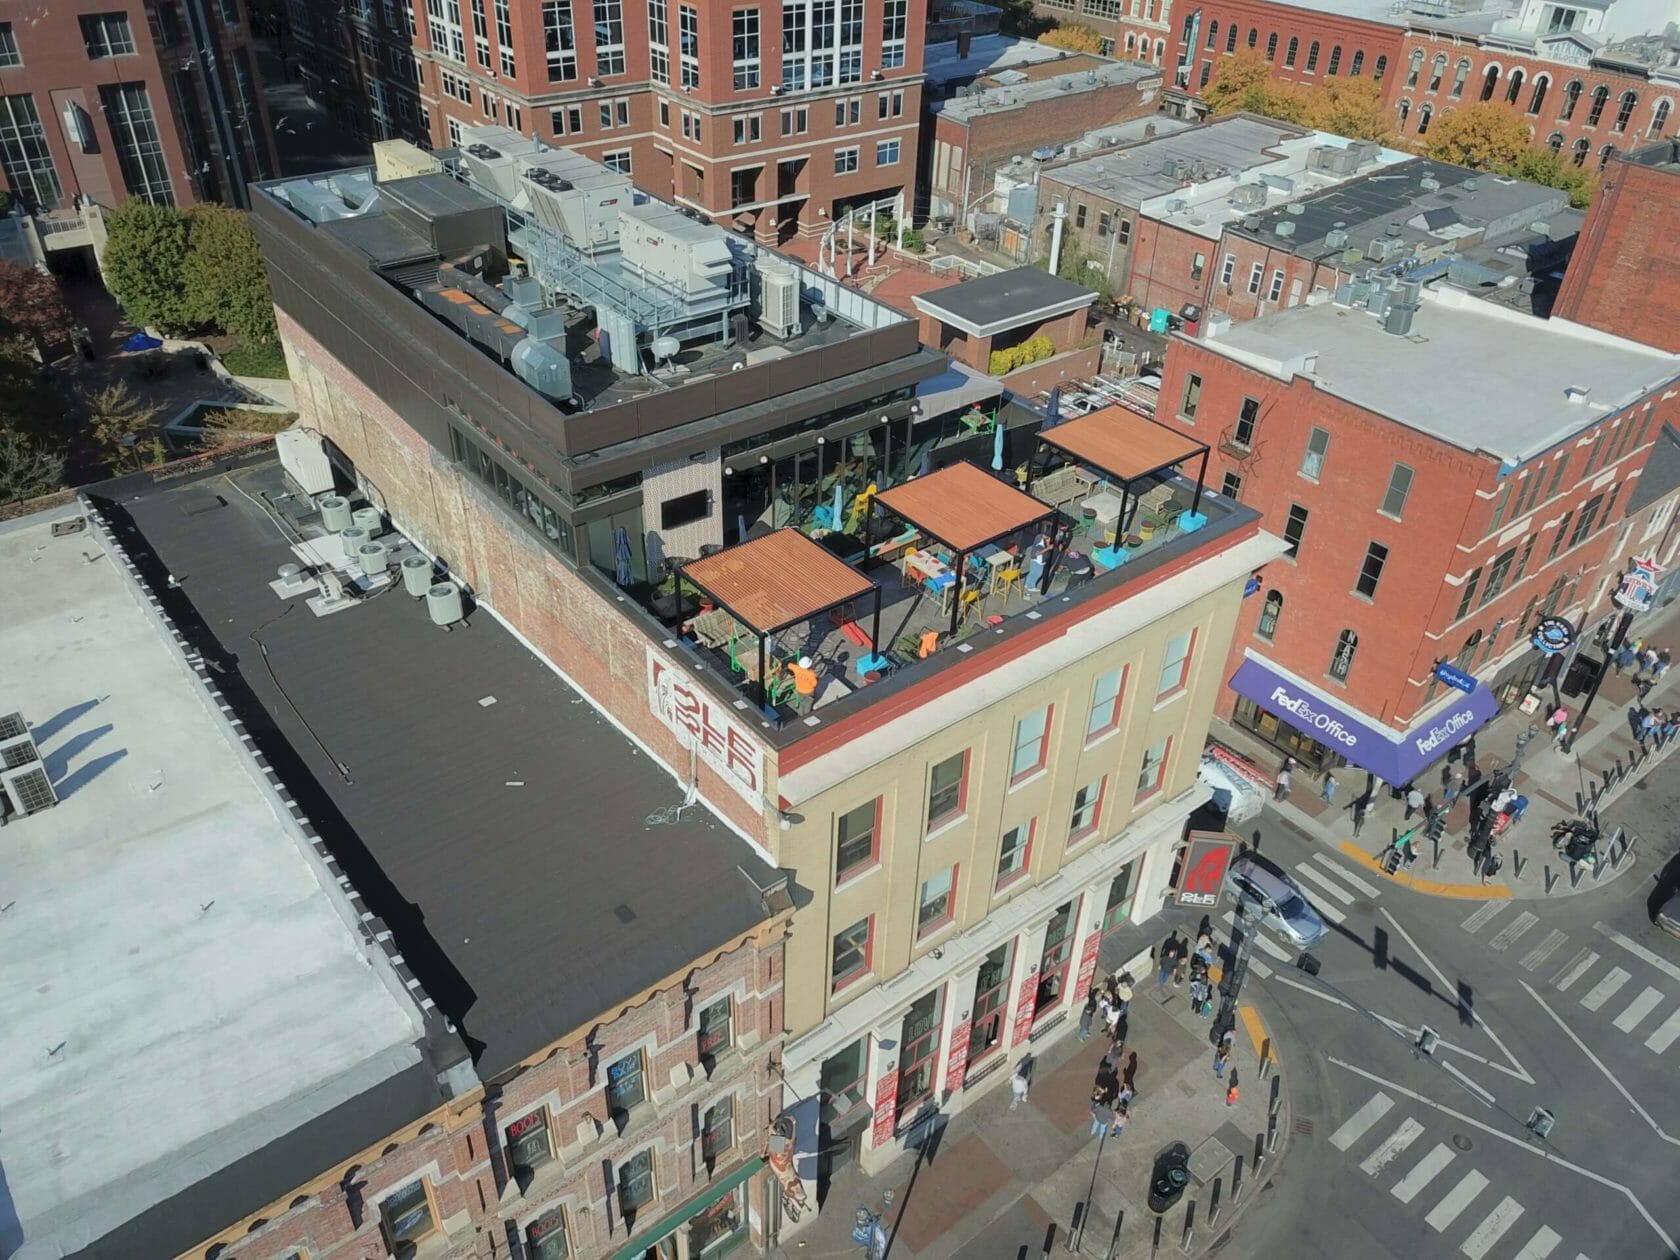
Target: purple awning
[[1396, 760]]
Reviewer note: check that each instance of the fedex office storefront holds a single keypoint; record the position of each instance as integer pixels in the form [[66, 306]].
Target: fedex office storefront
[[1320, 731]]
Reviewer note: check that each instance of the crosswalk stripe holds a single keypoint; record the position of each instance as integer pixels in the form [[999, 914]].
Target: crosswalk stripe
[[1346, 876], [1408, 1132], [1259, 968], [1544, 950], [1667, 1033], [1638, 1009], [1492, 1228], [1455, 1201], [1605, 989], [1540, 1246], [1423, 1172], [1356, 1125], [1257, 936], [1582, 964], [1327, 911], [1314, 877], [1479, 920], [1514, 931]]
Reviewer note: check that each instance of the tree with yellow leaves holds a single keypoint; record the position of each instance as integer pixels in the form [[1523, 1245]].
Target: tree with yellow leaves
[[1484, 134], [1074, 38]]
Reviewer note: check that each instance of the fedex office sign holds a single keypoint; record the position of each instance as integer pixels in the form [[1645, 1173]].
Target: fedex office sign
[[1428, 741], [702, 723], [1312, 719]]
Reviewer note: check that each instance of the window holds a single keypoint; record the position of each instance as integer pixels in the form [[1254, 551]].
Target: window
[[1032, 744], [664, 114], [1175, 665], [1541, 83], [9, 54], [1437, 71], [1198, 264], [1192, 397], [717, 1130], [889, 105], [714, 1025], [1624, 110], [747, 128], [886, 152], [745, 49], [1370, 572], [1231, 39], [1079, 215], [1312, 57], [1277, 286], [991, 998], [1212, 35], [857, 836], [1595, 111], [1490, 83], [947, 790], [1154, 769], [107, 35], [852, 948], [1522, 561], [894, 26], [937, 904], [1341, 661], [1497, 575], [406, 1215], [616, 113], [848, 111], [1119, 905], [1253, 37], [1571, 98], [1231, 486], [1289, 53], [1467, 654], [841, 1084], [1659, 118], [1105, 220], [1404, 109], [1053, 962], [559, 41], [795, 121], [688, 46], [1105, 703], [1424, 116], [617, 160], [609, 37], [1312, 460], [545, 1237], [25, 155], [846, 161], [1382, 68], [626, 1087], [1585, 522], [1461, 74], [635, 1182], [1015, 853], [919, 1037], [134, 132], [1578, 153], [481, 33], [1295, 528], [1123, 231], [659, 41], [1271, 46], [1417, 65], [1399, 489], [1226, 270], [1467, 593], [1087, 810], [1358, 65], [529, 1146], [1270, 611], [504, 38], [1256, 275]]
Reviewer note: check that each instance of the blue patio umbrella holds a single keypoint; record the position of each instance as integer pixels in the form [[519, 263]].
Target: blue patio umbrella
[[997, 445], [927, 462], [621, 555], [142, 341], [1053, 408], [839, 507]]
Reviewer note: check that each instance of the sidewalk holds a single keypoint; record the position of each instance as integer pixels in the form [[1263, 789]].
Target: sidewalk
[[1605, 761], [995, 1182]]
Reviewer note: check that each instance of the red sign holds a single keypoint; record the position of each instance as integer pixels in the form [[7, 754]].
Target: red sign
[[1226, 757], [1026, 1005], [706, 725], [886, 1107], [1205, 859], [957, 1068], [1087, 965]]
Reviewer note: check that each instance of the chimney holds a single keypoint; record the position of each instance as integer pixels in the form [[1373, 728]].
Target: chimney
[[965, 40]]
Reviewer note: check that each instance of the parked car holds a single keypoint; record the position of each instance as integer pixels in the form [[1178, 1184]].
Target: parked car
[[1667, 916], [1267, 891]]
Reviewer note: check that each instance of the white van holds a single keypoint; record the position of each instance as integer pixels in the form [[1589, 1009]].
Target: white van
[[1240, 796]]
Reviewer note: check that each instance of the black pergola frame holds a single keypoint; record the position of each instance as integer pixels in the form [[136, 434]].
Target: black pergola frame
[[1046, 438]]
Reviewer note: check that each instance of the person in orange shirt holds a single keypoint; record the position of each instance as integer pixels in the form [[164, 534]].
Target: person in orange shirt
[[804, 683]]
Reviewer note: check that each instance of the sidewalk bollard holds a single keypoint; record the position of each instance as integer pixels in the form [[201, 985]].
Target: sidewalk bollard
[[1598, 869], [1271, 1134], [1516, 864], [1277, 1096], [1574, 876], [1213, 1203], [1236, 1180], [1265, 1058], [1155, 1238], [1551, 879], [1189, 1227], [1259, 1152]]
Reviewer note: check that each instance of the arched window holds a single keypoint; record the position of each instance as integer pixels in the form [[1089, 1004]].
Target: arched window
[[1554, 142], [1131, 44], [1213, 33], [1424, 115], [1358, 63], [1160, 50], [1513, 86], [1437, 71], [1624, 111], [1312, 57], [1149, 11], [1231, 39], [1347, 643], [1335, 60], [1207, 69], [1382, 67], [1582, 147], [1600, 96], [1541, 83], [1604, 155], [1461, 76], [1417, 67], [1405, 111], [1289, 53], [1659, 117], [1270, 611], [1571, 98], [1490, 82], [1467, 653], [1271, 46], [1253, 37]]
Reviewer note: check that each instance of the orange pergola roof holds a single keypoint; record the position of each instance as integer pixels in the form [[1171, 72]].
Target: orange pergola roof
[[963, 506], [778, 580], [1121, 443]]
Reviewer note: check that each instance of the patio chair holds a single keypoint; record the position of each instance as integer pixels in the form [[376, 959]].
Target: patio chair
[[1007, 578], [1169, 515]]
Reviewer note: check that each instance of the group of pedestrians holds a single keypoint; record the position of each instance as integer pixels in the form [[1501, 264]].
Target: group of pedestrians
[[1647, 661], [1112, 1001]]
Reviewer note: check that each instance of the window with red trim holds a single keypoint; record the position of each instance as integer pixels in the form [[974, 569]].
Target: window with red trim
[[1154, 770], [919, 1037], [1110, 689], [991, 1002], [857, 840], [1032, 744], [1015, 854], [853, 949], [948, 790], [938, 902], [1087, 810], [1175, 668]]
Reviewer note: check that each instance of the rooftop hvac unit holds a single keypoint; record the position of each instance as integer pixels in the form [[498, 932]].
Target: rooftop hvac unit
[[335, 513], [544, 367], [1251, 223], [524, 291], [1296, 208], [24, 780], [1172, 168], [1248, 195], [672, 250], [1285, 228], [369, 519], [373, 559], [1335, 238], [573, 195], [778, 300], [1384, 248], [417, 576], [1377, 304], [443, 604]]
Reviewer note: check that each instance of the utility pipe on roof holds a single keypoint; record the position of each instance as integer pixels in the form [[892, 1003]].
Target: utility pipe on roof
[[1056, 237]]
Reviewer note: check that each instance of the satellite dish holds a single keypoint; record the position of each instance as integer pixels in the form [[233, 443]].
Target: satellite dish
[[666, 348]]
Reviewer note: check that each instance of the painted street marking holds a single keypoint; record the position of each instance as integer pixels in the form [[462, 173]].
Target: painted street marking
[[1582, 964], [1408, 1132], [1514, 931], [1265, 942], [1492, 1228], [1540, 1246], [1477, 921], [1667, 1032], [1638, 1009], [1259, 968], [1639, 951], [1605, 989], [1477, 1090], [1423, 1172], [1360, 1121], [1313, 877], [1346, 876], [1544, 950], [1326, 911], [1457, 1199]]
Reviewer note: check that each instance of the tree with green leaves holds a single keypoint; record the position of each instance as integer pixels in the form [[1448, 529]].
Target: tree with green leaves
[[29, 467], [222, 275], [1542, 166], [145, 256]]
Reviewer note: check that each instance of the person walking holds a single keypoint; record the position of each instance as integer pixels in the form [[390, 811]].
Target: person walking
[[1102, 1115], [1647, 724], [1123, 991], [1414, 800], [1359, 807], [1121, 1112], [1328, 791], [1559, 716], [1088, 1014], [1170, 952], [1560, 737], [1662, 662], [1648, 662], [1625, 657], [1018, 1085], [1221, 1059], [804, 683], [1233, 1093], [1455, 786], [1285, 780]]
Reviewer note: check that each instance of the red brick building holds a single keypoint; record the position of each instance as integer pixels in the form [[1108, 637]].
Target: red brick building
[[970, 321], [110, 101], [1303, 45], [1137, 30], [1625, 274], [1420, 532], [773, 118]]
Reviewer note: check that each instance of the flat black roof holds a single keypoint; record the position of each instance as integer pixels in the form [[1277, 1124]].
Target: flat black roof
[[1008, 295], [496, 822]]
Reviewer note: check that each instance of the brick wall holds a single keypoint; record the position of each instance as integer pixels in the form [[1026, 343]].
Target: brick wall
[[1341, 40]]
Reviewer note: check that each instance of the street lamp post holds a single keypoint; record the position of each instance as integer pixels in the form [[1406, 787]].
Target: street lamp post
[[1617, 638]]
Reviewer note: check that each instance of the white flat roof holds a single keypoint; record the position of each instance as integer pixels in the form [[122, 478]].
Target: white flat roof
[[1471, 373], [179, 977]]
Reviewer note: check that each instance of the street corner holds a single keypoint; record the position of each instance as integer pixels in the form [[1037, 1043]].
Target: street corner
[[1492, 891], [1265, 1052]]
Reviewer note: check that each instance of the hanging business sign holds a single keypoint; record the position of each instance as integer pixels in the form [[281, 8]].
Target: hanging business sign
[[1251, 587], [1203, 873], [1554, 635], [1639, 584], [1453, 676], [702, 722]]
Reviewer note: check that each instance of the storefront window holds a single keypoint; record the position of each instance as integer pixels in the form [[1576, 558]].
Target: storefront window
[[1276, 731], [625, 1087], [717, 1130], [1053, 966], [991, 1000], [545, 1237], [719, 1228], [842, 1082], [635, 1181], [920, 1042], [715, 1036], [528, 1145], [1120, 897]]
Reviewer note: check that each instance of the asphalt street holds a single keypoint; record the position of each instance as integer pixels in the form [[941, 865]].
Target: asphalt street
[[1571, 1004]]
